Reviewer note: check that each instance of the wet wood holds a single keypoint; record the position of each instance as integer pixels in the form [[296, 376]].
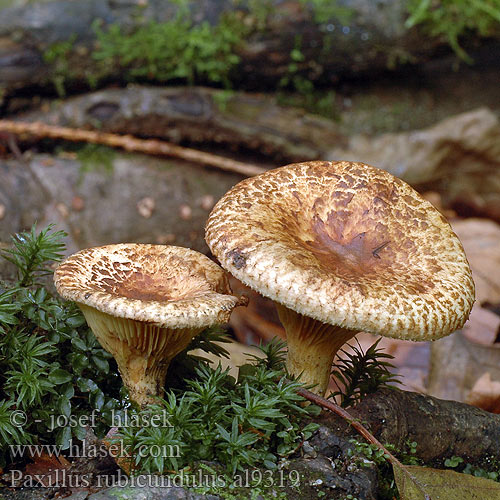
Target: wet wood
[[129, 143], [440, 428], [229, 122], [369, 40]]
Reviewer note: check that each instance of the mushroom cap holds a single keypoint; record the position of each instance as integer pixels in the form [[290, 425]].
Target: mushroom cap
[[167, 286], [346, 244]]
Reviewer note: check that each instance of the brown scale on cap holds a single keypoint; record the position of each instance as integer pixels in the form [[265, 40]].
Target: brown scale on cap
[[145, 303], [348, 245]]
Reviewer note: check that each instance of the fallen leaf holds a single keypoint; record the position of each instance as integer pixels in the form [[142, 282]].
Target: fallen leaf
[[239, 354], [113, 443], [259, 321], [482, 327], [423, 483], [481, 241], [63, 210], [485, 394], [47, 468]]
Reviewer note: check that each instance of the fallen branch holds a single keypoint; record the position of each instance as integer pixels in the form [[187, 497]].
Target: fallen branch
[[363, 431], [396, 464], [130, 143]]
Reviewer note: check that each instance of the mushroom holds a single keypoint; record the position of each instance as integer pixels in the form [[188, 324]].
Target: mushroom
[[144, 304], [342, 247]]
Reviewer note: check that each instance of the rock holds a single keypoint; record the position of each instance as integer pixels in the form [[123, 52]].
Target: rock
[[21, 196], [322, 474], [459, 156], [144, 489], [43, 189]]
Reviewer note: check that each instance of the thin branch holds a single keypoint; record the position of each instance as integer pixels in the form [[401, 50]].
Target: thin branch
[[130, 143], [330, 405]]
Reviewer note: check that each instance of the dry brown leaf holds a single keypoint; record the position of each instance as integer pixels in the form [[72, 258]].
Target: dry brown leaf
[[113, 444], [411, 359], [483, 326], [257, 322], [239, 354], [481, 241], [485, 394], [423, 483], [47, 469]]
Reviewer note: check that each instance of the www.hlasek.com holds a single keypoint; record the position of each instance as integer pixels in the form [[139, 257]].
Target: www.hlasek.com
[[61, 478], [84, 449]]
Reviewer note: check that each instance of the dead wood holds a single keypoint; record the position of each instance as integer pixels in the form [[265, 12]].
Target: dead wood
[[440, 428], [129, 143], [369, 39], [198, 115]]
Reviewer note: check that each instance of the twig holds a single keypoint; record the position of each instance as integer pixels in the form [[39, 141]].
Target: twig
[[130, 143], [329, 405]]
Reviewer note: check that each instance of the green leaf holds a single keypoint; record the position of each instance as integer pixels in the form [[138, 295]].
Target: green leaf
[[97, 399], [75, 321], [63, 437], [86, 384], [64, 406], [79, 343], [102, 364], [422, 483], [60, 376], [67, 390], [79, 432]]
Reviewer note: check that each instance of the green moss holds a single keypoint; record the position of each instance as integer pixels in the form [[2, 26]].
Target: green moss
[[177, 49], [318, 102], [453, 19], [489, 468], [328, 10], [57, 55], [222, 99]]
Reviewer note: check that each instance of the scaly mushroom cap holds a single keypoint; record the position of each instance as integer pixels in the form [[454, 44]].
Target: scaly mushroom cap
[[346, 244], [168, 286], [144, 304]]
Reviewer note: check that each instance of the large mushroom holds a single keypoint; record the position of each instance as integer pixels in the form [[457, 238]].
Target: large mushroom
[[145, 303], [342, 247]]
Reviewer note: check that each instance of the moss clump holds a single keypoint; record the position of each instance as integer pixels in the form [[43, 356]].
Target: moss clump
[[178, 49], [453, 19]]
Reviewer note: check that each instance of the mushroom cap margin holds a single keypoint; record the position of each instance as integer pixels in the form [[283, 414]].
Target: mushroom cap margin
[[347, 244], [169, 286]]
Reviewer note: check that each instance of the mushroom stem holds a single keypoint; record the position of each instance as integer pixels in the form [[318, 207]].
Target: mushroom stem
[[312, 345], [142, 351]]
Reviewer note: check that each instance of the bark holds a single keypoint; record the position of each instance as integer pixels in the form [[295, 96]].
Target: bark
[[373, 39], [199, 115], [440, 428]]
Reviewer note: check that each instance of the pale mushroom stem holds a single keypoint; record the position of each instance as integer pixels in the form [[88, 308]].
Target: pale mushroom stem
[[142, 351], [312, 345]]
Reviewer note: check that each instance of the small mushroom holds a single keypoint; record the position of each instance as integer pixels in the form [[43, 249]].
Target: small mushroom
[[341, 248], [144, 304]]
